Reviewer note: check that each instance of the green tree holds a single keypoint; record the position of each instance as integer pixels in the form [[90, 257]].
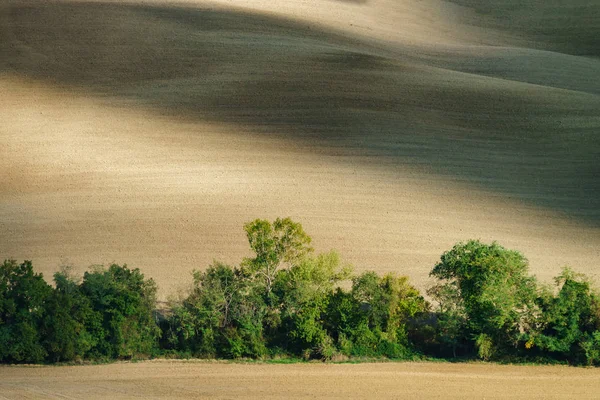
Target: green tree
[[375, 317], [493, 291], [568, 324], [66, 337], [304, 291], [223, 315], [23, 303], [282, 243], [386, 305], [451, 325], [125, 301]]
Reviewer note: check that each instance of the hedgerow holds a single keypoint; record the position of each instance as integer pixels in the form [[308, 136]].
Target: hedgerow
[[286, 301]]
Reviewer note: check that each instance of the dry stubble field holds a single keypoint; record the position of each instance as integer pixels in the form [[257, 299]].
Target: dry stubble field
[[197, 380], [148, 132]]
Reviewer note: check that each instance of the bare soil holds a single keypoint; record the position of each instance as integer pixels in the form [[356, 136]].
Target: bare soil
[[149, 132], [193, 380]]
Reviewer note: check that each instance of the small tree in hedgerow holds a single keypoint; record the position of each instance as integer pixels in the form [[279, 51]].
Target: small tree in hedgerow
[[494, 298], [69, 314]]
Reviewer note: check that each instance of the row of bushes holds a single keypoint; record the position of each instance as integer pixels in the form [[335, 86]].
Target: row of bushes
[[287, 301]]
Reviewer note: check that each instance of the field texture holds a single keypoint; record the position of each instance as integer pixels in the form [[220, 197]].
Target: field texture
[[148, 133], [197, 380]]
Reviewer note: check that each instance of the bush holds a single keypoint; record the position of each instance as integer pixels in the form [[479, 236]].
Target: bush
[[591, 348]]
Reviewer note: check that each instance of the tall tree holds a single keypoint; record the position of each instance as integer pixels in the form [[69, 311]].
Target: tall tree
[[282, 243], [493, 288], [23, 301], [69, 313], [126, 302]]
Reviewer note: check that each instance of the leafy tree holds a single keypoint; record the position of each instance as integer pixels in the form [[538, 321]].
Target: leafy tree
[[373, 319], [569, 321], [387, 305], [66, 337], [125, 302], [282, 243], [342, 316], [23, 302], [451, 324], [305, 290], [388, 302], [222, 316], [492, 289]]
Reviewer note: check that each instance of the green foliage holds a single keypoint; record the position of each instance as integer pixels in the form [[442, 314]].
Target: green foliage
[[287, 302], [373, 318], [122, 323], [485, 346], [275, 245], [568, 322], [68, 313], [223, 316], [23, 300], [591, 347], [387, 303], [304, 291], [489, 285], [452, 320]]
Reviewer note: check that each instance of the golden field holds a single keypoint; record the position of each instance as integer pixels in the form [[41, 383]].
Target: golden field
[[198, 380]]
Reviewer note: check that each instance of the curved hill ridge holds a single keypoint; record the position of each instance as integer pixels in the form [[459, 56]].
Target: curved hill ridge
[[149, 132]]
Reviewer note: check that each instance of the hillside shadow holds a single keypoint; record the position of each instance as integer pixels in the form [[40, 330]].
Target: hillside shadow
[[277, 76], [568, 26]]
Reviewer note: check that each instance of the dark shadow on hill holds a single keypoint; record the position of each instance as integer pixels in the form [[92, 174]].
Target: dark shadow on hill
[[277, 76], [568, 26]]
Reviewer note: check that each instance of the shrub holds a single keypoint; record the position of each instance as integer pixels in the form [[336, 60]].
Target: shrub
[[591, 348]]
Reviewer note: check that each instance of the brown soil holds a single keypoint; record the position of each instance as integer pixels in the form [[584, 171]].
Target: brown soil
[[148, 133], [193, 380]]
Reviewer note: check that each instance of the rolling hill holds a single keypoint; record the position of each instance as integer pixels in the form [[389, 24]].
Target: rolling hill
[[149, 132]]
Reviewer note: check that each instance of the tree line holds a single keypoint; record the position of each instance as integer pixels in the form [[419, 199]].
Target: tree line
[[287, 301]]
